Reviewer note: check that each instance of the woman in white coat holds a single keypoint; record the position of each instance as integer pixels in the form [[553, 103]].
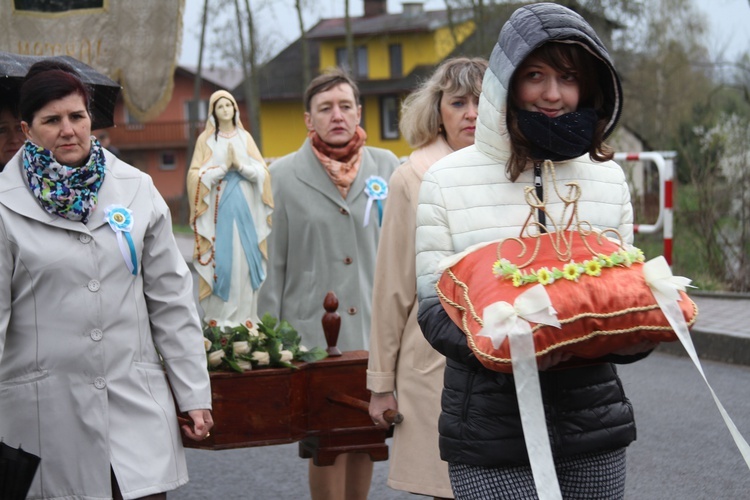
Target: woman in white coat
[[92, 284], [231, 202], [550, 96], [404, 372]]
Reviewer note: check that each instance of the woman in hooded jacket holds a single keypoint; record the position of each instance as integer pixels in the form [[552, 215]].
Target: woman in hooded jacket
[[550, 96]]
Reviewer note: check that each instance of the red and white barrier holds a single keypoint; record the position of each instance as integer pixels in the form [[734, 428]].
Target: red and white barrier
[[664, 162]]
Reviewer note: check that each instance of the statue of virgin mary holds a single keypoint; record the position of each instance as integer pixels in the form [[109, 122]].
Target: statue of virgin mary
[[229, 189]]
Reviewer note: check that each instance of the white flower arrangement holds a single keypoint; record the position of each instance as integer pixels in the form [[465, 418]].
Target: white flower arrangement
[[271, 343]]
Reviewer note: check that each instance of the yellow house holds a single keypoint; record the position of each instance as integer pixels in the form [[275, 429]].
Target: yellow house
[[393, 54]]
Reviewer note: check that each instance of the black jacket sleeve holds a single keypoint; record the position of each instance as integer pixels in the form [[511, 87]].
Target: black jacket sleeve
[[443, 334]]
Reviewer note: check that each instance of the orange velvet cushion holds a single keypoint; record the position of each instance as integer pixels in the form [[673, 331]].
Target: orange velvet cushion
[[598, 314]]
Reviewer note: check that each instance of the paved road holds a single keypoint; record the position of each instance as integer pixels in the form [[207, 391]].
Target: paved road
[[683, 450]]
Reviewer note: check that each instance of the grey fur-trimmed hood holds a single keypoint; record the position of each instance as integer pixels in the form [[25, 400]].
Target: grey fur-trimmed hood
[[528, 28]]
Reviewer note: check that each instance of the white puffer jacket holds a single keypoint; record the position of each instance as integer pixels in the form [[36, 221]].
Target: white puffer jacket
[[467, 198]]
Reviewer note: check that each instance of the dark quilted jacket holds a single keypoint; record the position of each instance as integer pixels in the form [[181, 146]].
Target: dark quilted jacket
[[586, 409]]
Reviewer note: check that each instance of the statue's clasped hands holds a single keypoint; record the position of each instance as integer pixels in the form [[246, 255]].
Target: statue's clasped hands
[[232, 162]]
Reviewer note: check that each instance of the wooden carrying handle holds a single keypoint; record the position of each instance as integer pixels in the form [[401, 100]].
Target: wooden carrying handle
[[390, 416]]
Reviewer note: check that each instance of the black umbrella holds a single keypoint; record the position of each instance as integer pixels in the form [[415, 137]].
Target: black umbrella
[[17, 470], [104, 91]]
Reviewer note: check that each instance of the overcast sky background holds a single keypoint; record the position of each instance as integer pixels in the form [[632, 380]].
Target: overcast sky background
[[729, 23]]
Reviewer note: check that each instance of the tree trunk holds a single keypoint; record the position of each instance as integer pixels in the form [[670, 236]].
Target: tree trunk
[[305, 46], [194, 114], [254, 99], [479, 21], [246, 82], [197, 84], [451, 23], [349, 39]]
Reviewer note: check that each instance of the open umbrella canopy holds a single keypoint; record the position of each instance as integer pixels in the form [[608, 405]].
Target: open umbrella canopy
[[17, 470], [104, 91]]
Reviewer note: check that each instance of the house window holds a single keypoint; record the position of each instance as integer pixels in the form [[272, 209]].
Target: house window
[[196, 111], [131, 122], [360, 61], [394, 55], [54, 7], [168, 160], [341, 61], [389, 117]]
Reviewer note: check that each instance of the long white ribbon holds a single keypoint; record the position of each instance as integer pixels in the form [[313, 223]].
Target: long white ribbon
[[665, 288], [502, 320]]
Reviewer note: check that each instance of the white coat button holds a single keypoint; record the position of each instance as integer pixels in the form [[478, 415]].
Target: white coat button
[[96, 335], [100, 383], [94, 285], [84, 238]]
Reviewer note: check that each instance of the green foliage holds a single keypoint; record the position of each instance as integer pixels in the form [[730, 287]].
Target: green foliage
[[688, 257], [690, 251], [272, 344]]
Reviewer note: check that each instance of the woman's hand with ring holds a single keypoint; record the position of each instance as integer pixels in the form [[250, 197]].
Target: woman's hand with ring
[[202, 423]]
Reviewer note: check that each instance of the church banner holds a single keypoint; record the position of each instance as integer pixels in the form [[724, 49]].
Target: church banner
[[135, 42]]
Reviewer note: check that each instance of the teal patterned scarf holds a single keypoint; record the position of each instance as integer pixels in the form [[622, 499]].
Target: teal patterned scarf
[[70, 192]]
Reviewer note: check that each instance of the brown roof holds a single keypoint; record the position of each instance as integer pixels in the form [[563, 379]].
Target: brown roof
[[425, 21], [281, 77]]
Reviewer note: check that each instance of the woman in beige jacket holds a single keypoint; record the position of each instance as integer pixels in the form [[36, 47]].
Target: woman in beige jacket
[[404, 372]]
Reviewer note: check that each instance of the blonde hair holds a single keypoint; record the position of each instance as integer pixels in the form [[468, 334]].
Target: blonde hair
[[420, 112]]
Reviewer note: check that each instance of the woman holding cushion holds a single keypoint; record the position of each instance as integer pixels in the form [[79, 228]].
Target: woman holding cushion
[[549, 97]]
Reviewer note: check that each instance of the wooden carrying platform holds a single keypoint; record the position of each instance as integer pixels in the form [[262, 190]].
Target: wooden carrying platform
[[323, 405]]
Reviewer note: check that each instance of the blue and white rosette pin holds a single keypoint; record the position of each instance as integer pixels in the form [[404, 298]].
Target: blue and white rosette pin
[[120, 219], [376, 190]]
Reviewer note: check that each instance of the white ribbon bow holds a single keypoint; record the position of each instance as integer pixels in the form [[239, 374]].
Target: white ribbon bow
[[659, 277], [666, 288], [503, 320]]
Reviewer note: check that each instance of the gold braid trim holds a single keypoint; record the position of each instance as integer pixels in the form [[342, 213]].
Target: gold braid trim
[[560, 232]]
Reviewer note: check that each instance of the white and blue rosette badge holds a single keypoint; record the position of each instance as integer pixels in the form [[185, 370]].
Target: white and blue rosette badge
[[120, 219], [376, 190]]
